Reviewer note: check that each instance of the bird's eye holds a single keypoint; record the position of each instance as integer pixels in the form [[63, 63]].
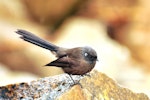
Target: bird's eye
[[85, 54]]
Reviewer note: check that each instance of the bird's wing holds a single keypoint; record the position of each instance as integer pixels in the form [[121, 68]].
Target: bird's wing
[[60, 62]]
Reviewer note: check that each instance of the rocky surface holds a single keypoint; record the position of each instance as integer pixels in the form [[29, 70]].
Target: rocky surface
[[129, 20], [94, 86]]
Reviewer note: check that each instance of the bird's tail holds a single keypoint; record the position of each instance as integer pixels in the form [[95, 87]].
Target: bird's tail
[[29, 37]]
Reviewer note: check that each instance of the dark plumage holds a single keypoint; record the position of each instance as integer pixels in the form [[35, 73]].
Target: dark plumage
[[76, 61]]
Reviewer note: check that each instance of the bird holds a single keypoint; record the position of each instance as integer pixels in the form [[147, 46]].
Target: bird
[[73, 61]]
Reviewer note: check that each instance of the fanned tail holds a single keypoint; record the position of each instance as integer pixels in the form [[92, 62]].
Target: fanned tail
[[29, 37]]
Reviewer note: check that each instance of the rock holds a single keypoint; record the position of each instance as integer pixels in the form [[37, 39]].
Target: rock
[[94, 86]]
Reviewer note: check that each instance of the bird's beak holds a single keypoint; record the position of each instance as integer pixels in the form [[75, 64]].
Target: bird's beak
[[97, 60]]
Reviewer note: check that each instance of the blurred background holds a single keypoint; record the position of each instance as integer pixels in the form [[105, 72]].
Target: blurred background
[[118, 30]]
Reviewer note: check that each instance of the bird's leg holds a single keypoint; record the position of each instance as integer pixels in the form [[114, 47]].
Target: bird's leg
[[87, 74], [72, 79], [70, 75]]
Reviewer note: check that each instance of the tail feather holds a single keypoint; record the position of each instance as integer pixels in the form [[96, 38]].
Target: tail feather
[[29, 37]]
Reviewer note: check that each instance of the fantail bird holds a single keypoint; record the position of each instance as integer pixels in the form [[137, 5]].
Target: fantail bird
[[75, 61]]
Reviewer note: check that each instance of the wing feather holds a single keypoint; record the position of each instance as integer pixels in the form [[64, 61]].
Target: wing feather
[[60, 62]]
